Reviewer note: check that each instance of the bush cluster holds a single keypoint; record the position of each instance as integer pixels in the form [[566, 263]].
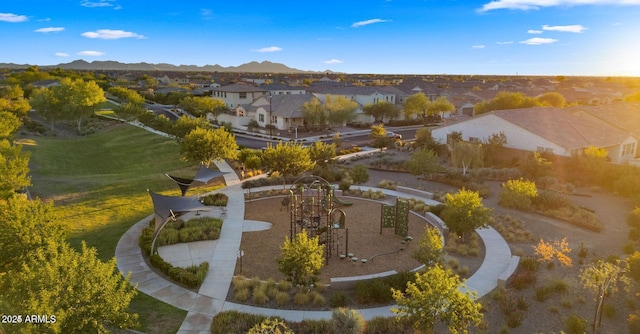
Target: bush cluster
[[354, 149], [195, 229], [463, 181], [378, 290], [217, 199], [190, 277]]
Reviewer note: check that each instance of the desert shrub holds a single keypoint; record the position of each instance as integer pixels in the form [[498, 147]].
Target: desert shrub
[[633, 322], [574, 324], [217, 199], [550, 200], [302, 298], [259, 296], [234, 322], [242, 295], [518, 194], [566, 303], [387, 184], [317, 299], [282, 298], [347, 321], [509, 307], [284, 285], [338, 299], [385, 325], [372, 291], [556, 286]]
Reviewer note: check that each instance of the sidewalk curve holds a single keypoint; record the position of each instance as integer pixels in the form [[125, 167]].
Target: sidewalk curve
[[203, 305]]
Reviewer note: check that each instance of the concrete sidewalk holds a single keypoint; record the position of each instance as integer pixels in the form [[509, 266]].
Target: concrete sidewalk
[[203, 305]]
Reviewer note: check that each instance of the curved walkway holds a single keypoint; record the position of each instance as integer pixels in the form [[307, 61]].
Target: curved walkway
[[211, 298]]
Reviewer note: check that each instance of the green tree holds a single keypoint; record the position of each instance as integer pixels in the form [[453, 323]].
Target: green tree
[[536, 166], [379, 135], [202, 105], [12, 100], [186, 124], [85, 294], [126, 94], [9, 124], [436, 296], [130, 111], [287, 159], [466, 155], [301, 258], [552, 99], [464, 212], [416, 105], [423, 162], [340, 109], [314, 113], [321, 153], [14, 168], [26, 226], [429, 250], [424, 139], [506, 100], [518, 194], [79, 98], [45, 102], [440, 105], [250, 158], [205, 145], [359, 174], [492, 145], [381, 110], [600, 278]]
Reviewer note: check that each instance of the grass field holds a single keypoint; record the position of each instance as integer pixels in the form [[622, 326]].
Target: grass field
[[99, 186]]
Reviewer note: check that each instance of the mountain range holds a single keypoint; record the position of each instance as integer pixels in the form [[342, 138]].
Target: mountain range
[[251, 67]]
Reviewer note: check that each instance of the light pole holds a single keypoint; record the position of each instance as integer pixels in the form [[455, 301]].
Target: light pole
[[270, 118]]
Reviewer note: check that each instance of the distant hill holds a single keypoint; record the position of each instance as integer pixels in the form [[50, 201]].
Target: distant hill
[[254, 67]]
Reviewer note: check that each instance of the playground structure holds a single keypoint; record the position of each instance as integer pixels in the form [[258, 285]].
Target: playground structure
[[311, 202]]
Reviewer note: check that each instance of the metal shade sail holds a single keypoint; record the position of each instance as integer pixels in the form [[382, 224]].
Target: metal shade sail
[[203, 176], [168, 207]]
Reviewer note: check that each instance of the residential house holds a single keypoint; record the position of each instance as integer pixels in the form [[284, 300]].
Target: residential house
[[561, 131], [238, 94], [284, 112], [283, 89]]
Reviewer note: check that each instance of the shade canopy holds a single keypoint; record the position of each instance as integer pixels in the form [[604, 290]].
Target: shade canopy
[[170, 206], [203, 176]]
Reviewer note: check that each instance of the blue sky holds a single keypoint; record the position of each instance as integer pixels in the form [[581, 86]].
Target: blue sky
[[503, 37]]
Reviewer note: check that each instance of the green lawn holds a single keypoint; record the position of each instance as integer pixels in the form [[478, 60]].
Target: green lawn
[[98, 184]]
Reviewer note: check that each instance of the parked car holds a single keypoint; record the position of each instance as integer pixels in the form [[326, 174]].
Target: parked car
[[393, 135]]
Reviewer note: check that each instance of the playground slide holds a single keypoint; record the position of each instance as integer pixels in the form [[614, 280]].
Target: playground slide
[[341, 202]]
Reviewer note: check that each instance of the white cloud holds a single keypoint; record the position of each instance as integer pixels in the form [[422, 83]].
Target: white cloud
[[478, 46], [111, 34], [9, 17], [49, 29], [333, 61], [539, 41], [367, 22], [532, 31], [205, 12], [576, 28], [504, 43], [99, 3], [268, 49], [537, 4], [90, 53], [61, 54]]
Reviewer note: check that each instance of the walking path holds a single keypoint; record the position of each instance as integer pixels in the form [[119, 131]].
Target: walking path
[[203, 305]]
